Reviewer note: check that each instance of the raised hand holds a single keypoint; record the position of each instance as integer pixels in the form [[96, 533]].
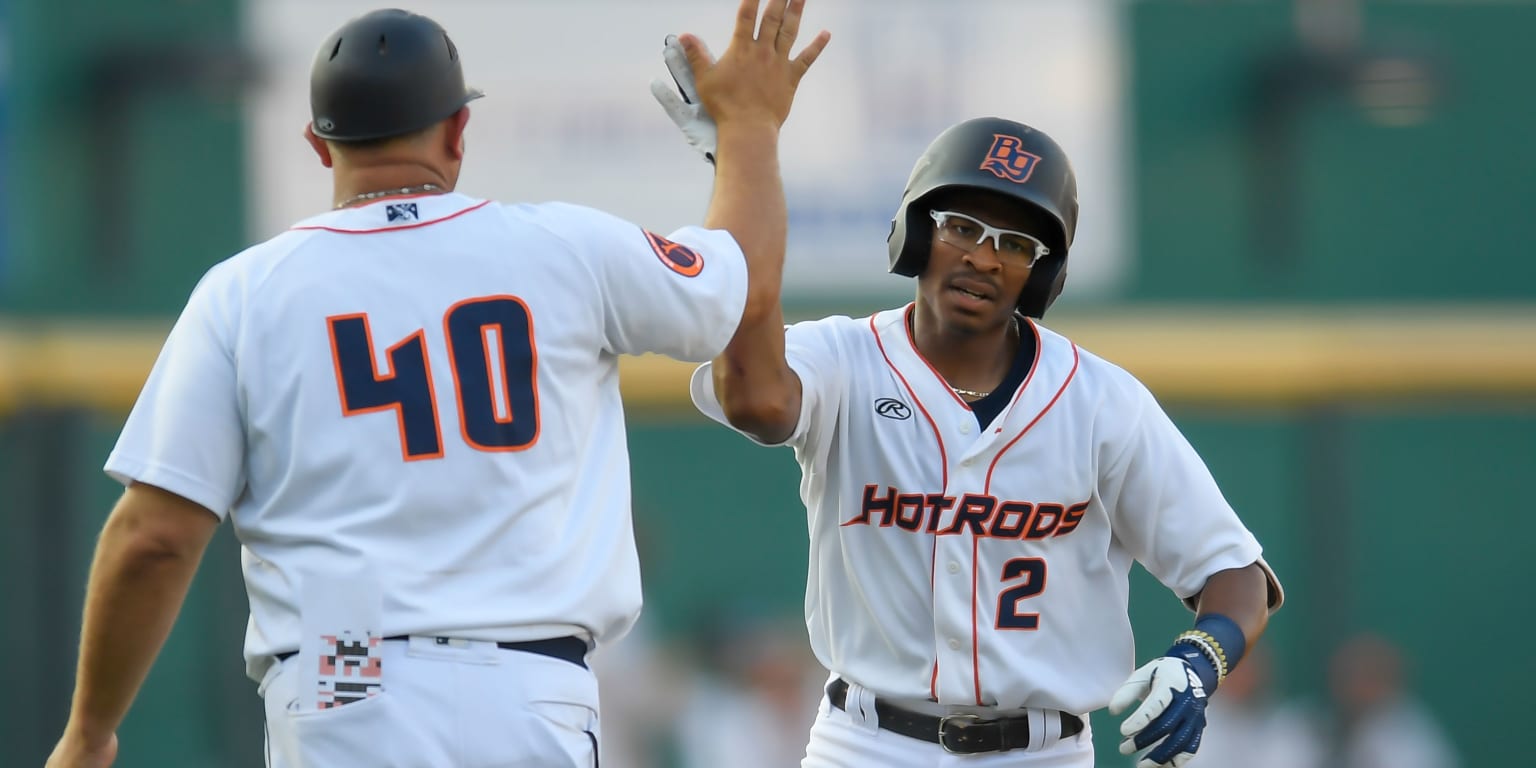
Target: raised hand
[[756, 79]]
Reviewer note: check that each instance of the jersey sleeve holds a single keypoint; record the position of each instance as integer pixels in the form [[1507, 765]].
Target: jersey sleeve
[[1166, 508], [185, 433], [681, 295], [810, 350]]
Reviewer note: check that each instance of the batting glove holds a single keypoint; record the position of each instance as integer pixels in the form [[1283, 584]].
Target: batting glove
[[1171, 717], [682, 101]]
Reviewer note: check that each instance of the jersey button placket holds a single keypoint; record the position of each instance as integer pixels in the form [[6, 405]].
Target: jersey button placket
[[953, 591]]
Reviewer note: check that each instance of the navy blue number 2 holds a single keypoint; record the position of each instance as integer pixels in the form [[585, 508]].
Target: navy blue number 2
[[491, 353], [1032, 570]]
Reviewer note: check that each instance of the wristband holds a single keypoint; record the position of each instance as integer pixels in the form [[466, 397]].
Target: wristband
[[1212, 648], [1226, 635]]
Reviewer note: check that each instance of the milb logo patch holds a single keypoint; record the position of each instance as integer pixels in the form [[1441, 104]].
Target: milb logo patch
[[402, 212], [678, 257], [1006, 160]]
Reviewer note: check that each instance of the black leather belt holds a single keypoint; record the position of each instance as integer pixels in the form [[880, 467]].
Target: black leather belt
[[958, 734], [569, 648]]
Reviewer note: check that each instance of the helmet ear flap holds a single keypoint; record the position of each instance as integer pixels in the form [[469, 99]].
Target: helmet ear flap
[[908, 241], [1057, 283], [1042, 288]]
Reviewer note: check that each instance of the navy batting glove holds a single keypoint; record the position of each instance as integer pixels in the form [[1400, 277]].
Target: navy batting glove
[[1171, 717]]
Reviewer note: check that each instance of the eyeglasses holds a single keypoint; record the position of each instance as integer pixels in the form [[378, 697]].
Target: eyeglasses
[[968, 234]]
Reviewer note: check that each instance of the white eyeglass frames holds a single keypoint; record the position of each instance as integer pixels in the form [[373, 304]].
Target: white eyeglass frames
[[968, 234]]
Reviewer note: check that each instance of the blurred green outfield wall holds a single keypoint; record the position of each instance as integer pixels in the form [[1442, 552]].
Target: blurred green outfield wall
[[1340, 158], [125, 182], [1406, 518], [1394, 163], [127, 178]]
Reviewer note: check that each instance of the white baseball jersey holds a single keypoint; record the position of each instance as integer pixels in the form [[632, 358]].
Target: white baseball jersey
[[430, 385], [987, 567]]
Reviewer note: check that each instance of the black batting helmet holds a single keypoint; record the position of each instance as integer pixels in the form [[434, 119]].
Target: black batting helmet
[[385, 73], [1001, 156]]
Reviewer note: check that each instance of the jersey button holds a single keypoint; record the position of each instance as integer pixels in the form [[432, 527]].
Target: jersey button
[[967, 462], [954, 645], [954, 567], [965, 429]]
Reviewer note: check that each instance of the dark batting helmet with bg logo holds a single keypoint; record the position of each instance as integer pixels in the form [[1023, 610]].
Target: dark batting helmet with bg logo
[[1001, 156], [385, 73]]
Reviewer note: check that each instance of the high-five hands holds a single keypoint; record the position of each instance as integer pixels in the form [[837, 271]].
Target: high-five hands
[[753, 82]]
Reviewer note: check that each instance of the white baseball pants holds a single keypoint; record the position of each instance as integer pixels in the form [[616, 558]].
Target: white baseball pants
[[466, 705]]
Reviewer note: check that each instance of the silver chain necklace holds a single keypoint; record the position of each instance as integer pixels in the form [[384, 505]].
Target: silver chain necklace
[[366, 196]]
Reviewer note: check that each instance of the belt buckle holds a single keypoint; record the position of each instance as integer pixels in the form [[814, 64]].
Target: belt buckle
[[961, 723]]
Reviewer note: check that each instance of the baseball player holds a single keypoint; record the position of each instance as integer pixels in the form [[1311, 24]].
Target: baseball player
[[977, 487], [408, 408]]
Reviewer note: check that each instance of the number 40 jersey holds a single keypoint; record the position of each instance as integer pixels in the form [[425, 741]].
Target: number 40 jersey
[[427, 387]]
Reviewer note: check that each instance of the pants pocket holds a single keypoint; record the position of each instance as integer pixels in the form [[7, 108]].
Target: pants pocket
[[351, 734], [560, 734]]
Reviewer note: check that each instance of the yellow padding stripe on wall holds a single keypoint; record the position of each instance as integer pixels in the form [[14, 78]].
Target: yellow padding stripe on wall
[[1230, 356]]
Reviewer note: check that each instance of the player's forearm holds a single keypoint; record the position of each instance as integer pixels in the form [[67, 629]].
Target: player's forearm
[[1240, 594], [752, 380], [133, 596], [748, 202], [757, 390]]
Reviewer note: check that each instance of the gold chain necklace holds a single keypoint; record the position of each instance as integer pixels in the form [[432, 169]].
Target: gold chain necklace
[[912, 332], [979, 395], [416, 190]]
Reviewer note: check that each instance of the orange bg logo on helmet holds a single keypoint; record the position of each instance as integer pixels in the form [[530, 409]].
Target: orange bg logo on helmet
[[1007, 161]]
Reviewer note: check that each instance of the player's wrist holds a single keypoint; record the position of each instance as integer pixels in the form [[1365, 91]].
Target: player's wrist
[[760, 128], [1213, 648], [1200, 658], [749, 144], [89, 736]]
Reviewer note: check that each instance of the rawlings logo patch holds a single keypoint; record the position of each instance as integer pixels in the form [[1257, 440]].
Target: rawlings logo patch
[[893, 409]]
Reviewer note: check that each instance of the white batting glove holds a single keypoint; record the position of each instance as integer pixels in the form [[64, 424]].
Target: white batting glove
[[1171, 717], [681, 100]]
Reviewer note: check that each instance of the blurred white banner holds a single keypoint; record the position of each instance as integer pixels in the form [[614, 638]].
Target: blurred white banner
[[568, 114]]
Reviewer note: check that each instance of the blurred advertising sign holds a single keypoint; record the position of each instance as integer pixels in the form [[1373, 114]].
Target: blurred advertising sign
[[569, 115]]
